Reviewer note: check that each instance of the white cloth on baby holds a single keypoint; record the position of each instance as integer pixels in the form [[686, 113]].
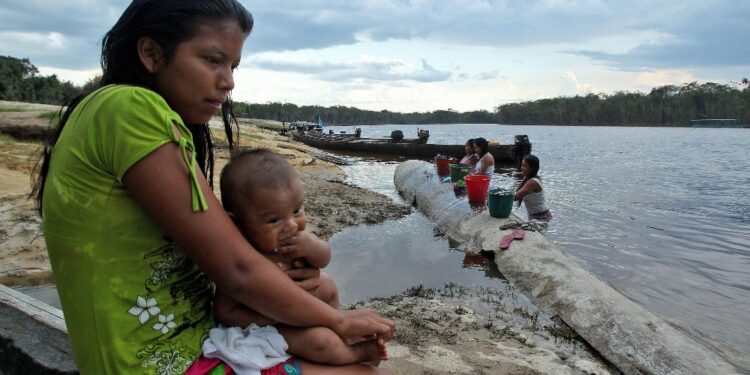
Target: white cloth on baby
[[247, 351]]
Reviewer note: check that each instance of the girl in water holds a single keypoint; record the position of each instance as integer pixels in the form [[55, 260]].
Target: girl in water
[[530, 190]]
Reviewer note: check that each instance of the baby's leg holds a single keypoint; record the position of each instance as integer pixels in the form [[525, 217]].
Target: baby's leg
[[327, 292], [309, 368], [322, 345]]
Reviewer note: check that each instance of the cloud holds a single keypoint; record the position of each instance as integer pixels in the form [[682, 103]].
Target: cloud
[[62, 34], [365, 69], [292, 25], [710, 35], [580, 88], [486, 76], [698, 33], [703, 33], [51, 48], [704, 52], [395, 49]]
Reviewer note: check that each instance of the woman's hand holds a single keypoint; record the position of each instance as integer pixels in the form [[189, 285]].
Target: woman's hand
[[307, 278], [364, 323]]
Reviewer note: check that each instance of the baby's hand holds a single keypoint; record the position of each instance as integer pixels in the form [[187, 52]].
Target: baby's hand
[[305, 245], [294, 247], [300, 263]]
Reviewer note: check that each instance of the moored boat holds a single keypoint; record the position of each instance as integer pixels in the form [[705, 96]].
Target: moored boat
[[396, 145], [717, 123]]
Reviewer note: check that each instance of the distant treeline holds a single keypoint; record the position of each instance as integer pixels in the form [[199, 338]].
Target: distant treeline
[[671, 105], [340, 115], [20, 81]]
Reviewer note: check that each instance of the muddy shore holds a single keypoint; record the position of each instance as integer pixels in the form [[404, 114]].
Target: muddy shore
[[451, 330]]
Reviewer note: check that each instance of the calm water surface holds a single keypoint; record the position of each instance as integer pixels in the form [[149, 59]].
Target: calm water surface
[[661, 214]]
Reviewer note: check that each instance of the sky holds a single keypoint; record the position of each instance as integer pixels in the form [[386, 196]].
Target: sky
[[421, 56]]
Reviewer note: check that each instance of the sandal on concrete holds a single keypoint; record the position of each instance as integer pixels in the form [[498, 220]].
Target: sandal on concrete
[[518, 234], [510, 224], [505, 241]]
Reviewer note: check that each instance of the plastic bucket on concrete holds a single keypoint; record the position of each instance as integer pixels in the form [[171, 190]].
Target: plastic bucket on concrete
[[500, 202], [443, 165], [459, 171], [477, 186]]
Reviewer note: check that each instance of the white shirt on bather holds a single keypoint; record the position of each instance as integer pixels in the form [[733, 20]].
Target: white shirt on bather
[[490, 170]]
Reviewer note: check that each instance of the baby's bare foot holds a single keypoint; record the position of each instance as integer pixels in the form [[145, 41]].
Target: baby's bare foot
[[382, 349], [370, 352]]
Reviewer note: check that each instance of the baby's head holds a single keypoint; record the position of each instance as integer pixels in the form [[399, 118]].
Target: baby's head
[[262, 193]]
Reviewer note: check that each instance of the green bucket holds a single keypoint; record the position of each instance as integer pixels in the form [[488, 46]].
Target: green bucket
[[500, 202], [459, 171]]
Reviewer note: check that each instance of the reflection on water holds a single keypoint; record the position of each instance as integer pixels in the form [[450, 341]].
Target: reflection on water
[[661, 214], [385, 259]]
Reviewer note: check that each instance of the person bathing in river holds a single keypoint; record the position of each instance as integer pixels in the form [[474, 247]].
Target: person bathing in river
[[486, 163], [263, 195], [530, 190], [471, 157]]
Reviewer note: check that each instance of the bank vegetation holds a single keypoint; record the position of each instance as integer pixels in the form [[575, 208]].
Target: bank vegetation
[[669, 105]]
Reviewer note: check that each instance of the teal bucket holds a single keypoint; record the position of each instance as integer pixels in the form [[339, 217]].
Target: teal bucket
[[459, 171], [500, 202]]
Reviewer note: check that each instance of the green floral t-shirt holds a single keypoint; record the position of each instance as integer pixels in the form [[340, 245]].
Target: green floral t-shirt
[[133, 301]]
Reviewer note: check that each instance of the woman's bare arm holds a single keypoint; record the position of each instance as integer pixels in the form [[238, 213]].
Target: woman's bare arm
[[484, 168], [529, 187], [160, 182], [229, 312]]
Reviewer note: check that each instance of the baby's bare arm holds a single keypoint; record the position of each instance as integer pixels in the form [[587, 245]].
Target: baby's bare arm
[[307, 246], [230, 312]]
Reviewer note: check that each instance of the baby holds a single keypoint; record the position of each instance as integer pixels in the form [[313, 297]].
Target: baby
[[263, 194]]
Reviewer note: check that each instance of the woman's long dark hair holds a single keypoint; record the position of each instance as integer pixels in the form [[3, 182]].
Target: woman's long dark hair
[[533, 162], [483, 144], [169, 23]]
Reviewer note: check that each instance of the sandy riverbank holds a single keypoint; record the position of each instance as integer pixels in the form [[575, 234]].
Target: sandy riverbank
[[452, 330]]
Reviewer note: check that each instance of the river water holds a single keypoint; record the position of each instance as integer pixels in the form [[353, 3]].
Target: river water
[[661, 214]]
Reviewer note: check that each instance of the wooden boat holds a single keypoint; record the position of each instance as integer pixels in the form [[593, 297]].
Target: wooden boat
[[717, 123], [414, 148]]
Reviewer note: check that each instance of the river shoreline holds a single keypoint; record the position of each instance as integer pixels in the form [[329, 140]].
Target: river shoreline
[[440, 331]]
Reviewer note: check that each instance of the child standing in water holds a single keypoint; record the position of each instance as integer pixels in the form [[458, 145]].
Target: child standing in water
[[263, 194], [530, 190]]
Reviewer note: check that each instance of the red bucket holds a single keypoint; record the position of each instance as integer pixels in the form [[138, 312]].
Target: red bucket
[[443, 165], [477, 187]]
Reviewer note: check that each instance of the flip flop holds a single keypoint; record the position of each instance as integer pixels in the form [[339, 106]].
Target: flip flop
[[510, 224], [505, 241], [518, 234]]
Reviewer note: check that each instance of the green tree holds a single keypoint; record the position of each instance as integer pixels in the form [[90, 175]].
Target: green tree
[[20, 81]]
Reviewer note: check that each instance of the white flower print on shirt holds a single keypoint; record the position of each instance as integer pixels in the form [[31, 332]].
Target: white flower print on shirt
[[165, 323], [144, 309]]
